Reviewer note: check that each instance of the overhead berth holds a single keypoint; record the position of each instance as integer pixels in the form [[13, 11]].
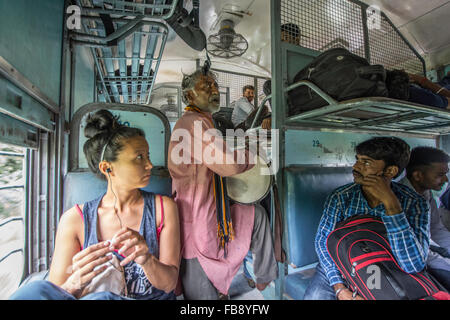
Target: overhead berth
[[127, 47], [371, 114]]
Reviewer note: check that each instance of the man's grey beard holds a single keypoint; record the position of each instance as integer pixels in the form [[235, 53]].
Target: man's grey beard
[[210, 108], [213, 109]]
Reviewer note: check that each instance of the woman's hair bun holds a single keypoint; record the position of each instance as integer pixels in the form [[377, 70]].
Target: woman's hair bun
[[100, 122]]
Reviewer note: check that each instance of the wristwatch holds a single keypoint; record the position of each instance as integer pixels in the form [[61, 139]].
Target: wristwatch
[[339, 291]]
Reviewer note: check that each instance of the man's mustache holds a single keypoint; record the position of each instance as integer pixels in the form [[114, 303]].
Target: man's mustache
[[214, 97]]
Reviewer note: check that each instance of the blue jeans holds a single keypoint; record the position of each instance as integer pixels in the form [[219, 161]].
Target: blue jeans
[[248, 258], [443, 276], [441, 251], [319, 288], [45, 290]]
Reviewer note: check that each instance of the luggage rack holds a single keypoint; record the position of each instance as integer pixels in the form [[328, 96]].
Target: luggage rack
[[159, 9], [127, 51], [372, 114]]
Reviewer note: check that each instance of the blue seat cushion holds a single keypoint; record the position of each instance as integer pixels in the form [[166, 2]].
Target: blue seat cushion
[[81, 187], [297, 283], [304, 208]]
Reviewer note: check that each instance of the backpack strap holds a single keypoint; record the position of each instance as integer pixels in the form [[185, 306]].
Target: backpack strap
[[158, 231]]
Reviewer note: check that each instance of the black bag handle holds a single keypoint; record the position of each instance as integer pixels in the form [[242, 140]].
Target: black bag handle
[[376, 69]]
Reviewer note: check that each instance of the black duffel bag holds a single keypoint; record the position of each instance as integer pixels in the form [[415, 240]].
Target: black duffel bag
[[342, 75]]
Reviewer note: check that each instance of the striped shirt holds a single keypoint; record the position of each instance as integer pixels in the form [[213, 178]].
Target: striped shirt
[[408, 232]]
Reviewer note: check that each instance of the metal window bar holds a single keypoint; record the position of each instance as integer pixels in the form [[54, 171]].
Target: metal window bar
[[7, 221], [10, 254], [11, 187], [11, 154], [235, 81], [4, 223]]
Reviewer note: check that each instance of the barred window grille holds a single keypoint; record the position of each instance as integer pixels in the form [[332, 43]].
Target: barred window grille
[[327, 24], [389, 49], [235, 83]]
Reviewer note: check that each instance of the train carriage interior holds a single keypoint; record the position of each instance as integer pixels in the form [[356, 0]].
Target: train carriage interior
[[61, 60]]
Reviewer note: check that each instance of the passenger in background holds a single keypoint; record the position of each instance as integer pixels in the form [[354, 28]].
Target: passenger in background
[[290, 33], [243, 106], [215, 237], [140, 229], [427, 170], [445, 82], [444, 208], [417, 89], [406, 216]]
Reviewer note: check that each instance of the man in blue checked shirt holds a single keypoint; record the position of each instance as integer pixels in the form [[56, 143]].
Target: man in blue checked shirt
[[405, 215]]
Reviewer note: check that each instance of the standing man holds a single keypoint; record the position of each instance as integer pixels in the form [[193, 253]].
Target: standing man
[[405, 215], [243, 106], [213, 244], [427, 170]]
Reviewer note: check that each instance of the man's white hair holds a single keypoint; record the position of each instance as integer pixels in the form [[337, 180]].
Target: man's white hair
[[189, 81]]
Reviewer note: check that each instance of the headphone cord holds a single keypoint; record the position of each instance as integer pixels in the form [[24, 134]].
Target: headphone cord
[[115, 201]]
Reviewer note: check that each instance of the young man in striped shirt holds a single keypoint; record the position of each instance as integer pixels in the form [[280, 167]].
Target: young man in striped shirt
[[405, 215]]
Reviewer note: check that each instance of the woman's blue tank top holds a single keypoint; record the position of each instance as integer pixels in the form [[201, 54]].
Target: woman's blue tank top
[[138, 286]]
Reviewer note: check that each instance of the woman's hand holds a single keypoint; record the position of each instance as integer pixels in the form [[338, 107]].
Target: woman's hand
[[83, 268], [132, 245]]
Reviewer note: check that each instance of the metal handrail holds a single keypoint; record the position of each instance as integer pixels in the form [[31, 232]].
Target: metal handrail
[[121, 33], [418, 111], [322, 94], [143, 6]]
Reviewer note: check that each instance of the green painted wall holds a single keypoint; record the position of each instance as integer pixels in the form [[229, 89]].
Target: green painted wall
[[31, 40]]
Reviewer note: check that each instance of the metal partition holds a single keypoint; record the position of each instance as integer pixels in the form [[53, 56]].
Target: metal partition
[[351, 24], [316, 138]]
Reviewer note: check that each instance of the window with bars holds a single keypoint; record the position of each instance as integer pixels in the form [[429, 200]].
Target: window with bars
[[232, 84], [230, 90], [12, 204], [327, 24]]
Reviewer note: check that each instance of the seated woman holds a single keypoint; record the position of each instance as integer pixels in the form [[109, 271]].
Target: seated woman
[[141, 229]]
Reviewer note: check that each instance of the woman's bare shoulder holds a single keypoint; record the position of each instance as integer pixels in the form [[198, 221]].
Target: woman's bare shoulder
[[71, 220]]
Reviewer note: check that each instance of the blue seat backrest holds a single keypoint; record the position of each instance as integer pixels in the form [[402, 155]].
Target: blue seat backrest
[[80, 187], [307, 190]]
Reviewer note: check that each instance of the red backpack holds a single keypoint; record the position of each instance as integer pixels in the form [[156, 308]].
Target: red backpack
[[360, 249]]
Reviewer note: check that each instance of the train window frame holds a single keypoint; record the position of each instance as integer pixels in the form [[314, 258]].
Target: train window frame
[[12, 227]]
